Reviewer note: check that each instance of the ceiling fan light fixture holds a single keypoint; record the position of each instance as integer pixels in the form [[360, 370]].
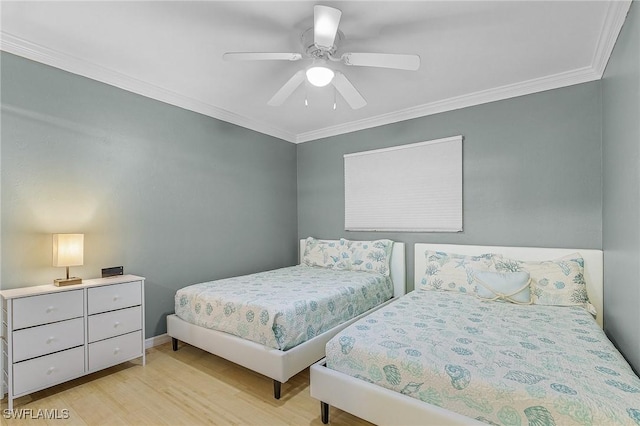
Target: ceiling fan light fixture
[[320, 76]]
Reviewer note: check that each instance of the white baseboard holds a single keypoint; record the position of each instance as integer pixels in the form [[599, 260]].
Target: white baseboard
[[156, 340]]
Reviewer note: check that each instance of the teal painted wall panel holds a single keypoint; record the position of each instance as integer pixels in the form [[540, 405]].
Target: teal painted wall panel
[[621, 189], [531, 172], [172, 195]]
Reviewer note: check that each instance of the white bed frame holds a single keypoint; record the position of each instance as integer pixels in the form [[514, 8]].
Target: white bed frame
[[383, 406], [274, 363]]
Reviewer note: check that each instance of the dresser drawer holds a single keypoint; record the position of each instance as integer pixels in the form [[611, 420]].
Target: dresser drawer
[[48, 370], [113, 351], [116, 296], [47, 308], [46, 339], [114, 323]]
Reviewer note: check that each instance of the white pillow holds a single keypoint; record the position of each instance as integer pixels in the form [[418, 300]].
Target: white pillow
[[506, 286]]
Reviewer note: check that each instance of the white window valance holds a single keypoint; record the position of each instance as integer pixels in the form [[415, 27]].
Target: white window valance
[[411, 188]]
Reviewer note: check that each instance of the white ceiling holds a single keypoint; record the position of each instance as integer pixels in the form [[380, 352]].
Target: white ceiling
[[472, 52]]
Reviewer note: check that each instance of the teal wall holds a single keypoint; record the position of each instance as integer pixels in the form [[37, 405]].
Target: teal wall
[[531, 172], [621, 189], [180, 198], [172, 195]]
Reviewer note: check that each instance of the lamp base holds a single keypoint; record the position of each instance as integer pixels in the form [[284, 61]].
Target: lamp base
[[61, 282]]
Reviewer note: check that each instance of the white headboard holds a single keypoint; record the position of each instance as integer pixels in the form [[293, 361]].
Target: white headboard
[[593, 263], [398, 266]]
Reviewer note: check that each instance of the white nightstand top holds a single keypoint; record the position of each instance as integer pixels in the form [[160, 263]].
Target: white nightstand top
[[50, 288]]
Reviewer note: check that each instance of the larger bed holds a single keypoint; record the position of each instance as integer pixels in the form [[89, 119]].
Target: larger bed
[[278, 322], [441, 357]]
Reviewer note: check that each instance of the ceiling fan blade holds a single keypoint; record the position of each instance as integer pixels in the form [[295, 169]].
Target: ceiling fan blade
[[286, 90], [383, 60], [325, 25], [258, 56], [348, 92]]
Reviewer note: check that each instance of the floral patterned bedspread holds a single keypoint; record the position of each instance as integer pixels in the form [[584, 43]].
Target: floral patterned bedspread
[[496, 362], [284, 307]]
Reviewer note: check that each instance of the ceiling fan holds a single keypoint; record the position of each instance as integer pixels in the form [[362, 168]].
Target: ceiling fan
[[320, 44]]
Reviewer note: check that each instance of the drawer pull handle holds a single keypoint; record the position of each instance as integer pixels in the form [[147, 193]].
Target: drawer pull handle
[[50, 370], [116, 297], [115, 352], [116, 324], [51, 339], [50, 309]]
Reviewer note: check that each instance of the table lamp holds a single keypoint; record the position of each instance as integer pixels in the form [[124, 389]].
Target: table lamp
[[68, 250]]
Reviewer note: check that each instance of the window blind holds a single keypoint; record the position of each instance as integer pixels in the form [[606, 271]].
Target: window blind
[[410, 188]]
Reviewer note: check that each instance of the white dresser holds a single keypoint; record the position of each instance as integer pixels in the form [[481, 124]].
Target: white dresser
[[54, 334]]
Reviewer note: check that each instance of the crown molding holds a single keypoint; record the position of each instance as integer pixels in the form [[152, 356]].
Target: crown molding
[[564, 79], [26, 49], [616, 14], [614, 19]]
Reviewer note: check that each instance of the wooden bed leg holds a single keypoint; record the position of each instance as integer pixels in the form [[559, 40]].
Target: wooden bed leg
[[277, 386], [324, 412], [174, 344]]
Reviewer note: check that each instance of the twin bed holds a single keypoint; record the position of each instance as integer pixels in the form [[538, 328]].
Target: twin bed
[[443, 357], [278, 322], [435, 355]]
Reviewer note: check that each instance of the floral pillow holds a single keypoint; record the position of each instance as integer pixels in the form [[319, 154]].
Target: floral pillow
[[369, 256], [322, 253], [454, 272], [557, 282]]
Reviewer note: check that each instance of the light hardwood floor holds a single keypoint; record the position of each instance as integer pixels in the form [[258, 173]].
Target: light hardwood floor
[[187, 387]]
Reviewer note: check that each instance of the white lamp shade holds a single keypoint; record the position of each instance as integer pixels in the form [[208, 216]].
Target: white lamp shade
[[68, 249], [319, 76]]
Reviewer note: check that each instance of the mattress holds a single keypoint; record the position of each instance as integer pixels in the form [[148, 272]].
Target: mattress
[[284, 307], [496, 362]]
